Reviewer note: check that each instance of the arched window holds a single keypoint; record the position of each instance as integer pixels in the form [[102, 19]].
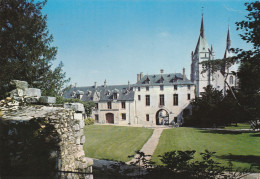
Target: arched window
[[231, 80]]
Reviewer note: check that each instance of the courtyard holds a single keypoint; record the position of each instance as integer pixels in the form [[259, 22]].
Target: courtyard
[[117, 143]]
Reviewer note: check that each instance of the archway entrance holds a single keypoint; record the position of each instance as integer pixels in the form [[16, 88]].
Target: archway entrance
[[162, 117], [110, 118]]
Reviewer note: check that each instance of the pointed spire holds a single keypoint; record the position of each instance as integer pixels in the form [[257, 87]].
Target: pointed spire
[[202, 34], [228, 40]]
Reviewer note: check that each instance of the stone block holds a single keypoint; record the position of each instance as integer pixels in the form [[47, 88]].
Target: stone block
[[19, 84], [76, 127], [31, 100], [33, 92], [82, 139], [47, 100], [78, 116], [78, 107], [81, 124], [78, 141]]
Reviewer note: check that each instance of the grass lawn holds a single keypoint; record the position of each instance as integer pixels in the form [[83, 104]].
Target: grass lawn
[[239, 126], [244, 147], [114, 142]]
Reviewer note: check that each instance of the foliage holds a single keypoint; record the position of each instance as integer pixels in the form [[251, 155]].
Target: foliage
[[205, 109], [249, 69], [25, 48], [176, 164], [181, 164], [88, 105], [30, 149], [89, 121]]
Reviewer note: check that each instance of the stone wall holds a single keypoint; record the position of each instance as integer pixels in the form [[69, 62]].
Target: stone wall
[[42, 141]]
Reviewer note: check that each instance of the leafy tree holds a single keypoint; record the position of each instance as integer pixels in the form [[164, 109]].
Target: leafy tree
[[205, 109], [88, 105], [249, 70], [25, 48]]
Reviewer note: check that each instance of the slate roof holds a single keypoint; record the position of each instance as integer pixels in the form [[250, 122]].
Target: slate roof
[[163, 79], [102, 93]]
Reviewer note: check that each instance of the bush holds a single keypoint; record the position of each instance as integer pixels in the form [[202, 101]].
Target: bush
[[89, 121]]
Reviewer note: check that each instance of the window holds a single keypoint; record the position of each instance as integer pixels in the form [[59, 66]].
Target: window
[[147, 88], [147, 100], [188, 96], [231, 80], [96, 117], [147, 117], [175, 99], [123, 105], [123, 116], [96, 105], [188, 86], [161, 87], [175, 87], [109, 105], [175, 119], [115, 96], [161, 99], [139, 97], [139, 89]]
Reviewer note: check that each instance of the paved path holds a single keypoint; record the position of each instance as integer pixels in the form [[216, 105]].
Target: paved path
[[150, 145]]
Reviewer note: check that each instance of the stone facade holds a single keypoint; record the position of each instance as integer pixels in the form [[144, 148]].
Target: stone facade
[[202, 53], [154, 100]]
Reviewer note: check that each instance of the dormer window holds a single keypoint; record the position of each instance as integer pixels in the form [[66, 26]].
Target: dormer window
[[146, 81], [160, 80], [107, 92], [114, 95]]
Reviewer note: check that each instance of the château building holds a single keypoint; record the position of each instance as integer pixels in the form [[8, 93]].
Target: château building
[[157, 99]]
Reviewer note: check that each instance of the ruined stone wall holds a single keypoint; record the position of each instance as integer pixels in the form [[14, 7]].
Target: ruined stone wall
[[41, 141]]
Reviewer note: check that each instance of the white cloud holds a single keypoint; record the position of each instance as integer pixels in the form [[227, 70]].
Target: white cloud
[[164, 34], [234, 10]]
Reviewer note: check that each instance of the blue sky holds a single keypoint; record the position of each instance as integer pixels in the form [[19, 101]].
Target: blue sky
[[116, 39]]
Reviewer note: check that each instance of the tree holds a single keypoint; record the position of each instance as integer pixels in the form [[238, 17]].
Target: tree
[[249, 69], [88, 105], [205, 109], [25, 48]]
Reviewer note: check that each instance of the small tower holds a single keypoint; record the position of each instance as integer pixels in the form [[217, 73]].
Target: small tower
[[201, 53]]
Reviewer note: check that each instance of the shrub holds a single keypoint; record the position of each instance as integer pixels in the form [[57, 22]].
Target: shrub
[[89, 121]]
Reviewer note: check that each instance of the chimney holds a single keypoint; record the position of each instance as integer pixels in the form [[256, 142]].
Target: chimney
[[105, 83], [161, 71], [183, 74], [128, 85], [95, 84], [141, 75], [138, 77]]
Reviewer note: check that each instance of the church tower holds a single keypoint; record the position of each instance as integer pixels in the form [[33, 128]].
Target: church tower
[[202, 52]]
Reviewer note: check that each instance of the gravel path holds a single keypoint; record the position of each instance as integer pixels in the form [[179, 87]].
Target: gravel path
[[150, 145]]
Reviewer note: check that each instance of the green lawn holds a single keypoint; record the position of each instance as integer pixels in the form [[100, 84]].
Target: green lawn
[[239, 126], [244, 147], [114, 142]]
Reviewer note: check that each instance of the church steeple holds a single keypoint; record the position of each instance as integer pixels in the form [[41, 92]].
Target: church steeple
[[202, 33], [228, 40]]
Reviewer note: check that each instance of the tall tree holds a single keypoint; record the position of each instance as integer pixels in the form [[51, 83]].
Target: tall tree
[[249, 69], [25, 47]]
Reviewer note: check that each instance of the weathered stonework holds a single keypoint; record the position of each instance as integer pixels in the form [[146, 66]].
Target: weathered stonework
[[64, 128], [39, 140]]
